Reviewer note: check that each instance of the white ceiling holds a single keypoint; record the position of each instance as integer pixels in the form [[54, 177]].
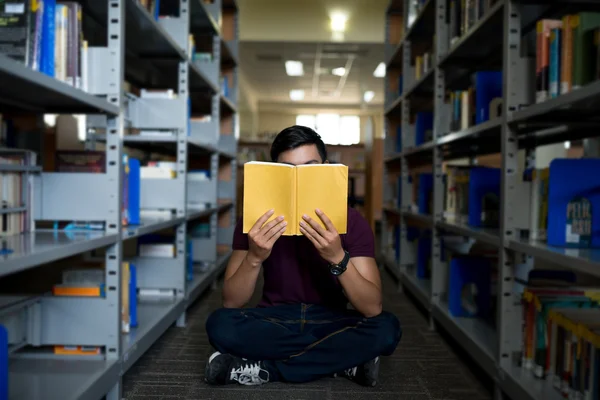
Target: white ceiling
[[263, 66]]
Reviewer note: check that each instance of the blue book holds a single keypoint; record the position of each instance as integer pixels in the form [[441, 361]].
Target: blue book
[[484, 197], [425, 194], [134, 182], [48, 38], [190, 260], [554, 68], [133, 322], [399, 139], [574, 203], [400, 85], [423, 127], [156, 9], [488, 86], [469, 288]]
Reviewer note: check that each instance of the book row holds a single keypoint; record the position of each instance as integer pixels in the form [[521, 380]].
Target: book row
[[562, 199]]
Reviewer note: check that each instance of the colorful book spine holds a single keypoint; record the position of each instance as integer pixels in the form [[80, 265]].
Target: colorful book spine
[[566, 66], [543, 29], [554, 73]]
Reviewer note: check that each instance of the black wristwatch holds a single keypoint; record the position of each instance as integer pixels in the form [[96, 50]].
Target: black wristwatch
[[338, 269]]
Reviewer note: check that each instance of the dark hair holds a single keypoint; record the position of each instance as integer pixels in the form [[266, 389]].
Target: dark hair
[[296, 136]]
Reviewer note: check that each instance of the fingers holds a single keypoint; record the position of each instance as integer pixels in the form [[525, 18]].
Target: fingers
[[310, 232], [315, 225], [267, 227], [277, 235], [260, 222], [275, 228], [326, 221]]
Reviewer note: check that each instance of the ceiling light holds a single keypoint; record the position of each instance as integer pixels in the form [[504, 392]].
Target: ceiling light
[[379, 71], [341, 71], [297, 94], [294, 68], [368, 96], [338, 22]]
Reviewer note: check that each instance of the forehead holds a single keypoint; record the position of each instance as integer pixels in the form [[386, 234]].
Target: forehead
[[301, 155]]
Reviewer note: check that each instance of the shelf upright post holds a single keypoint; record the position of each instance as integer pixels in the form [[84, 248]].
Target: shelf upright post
[[407, 256], [509, 342], [438, 267], [182, 159], [114, 153]]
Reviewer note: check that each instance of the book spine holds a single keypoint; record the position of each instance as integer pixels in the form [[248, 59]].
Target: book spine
[[566, 68], [48, 38], [555, 37]]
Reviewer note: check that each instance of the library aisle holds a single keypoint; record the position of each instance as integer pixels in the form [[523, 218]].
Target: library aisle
[[424, 367]]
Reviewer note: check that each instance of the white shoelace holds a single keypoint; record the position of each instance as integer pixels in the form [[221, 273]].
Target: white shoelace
[[249, 374]]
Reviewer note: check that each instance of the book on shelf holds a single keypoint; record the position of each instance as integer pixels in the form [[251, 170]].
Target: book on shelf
[[16, 192], [567, 53], [293, 191]]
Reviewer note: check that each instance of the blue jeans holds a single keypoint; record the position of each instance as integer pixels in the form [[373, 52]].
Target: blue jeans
[[302, 342]]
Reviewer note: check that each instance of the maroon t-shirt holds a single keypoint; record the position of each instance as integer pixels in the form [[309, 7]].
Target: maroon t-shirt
[[295, 272]]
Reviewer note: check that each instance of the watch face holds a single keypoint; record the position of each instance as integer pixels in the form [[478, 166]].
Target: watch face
[[336, 270]]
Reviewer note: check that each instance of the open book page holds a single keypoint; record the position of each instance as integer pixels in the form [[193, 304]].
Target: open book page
[[269, 186], [323, 186]]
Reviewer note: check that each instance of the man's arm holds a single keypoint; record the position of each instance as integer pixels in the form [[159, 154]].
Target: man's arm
[[244, 266], [240, 280], [361, 281]]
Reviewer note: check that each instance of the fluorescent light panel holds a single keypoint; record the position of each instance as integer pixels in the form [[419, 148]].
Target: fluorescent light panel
[[294, 68], [338, 22], [341, 71], [368, 96], [379, 71], [297, 95]]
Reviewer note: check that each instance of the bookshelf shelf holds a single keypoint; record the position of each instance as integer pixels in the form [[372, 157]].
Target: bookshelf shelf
[[35, 248], [473, 334], [484, 235], [467, 51], [155, 316], [520, 384], [150, 225], [583, 260], [420, 288], [423, 26], [51, 95], [422, 218], [487, 131], [129, 49], [578, 105], [394, 107], [193, 214], [35, 379], [201, 19]]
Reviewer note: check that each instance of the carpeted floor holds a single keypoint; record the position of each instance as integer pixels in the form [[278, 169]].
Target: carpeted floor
[[425, 366]]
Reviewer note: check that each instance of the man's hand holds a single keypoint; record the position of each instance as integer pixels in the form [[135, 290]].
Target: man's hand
[[327, 241], [262, 238]]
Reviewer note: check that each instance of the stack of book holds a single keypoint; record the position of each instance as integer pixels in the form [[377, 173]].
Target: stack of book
[[47, 36], [567, 55], [464, 14]]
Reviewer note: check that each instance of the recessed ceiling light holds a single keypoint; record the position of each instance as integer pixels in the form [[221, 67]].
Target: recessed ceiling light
[[338, 21], [368, 96], [297, 94], [341, 71], [294, 68], [379, 71]]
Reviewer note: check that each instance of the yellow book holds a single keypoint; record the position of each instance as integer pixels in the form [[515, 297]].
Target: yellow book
[[293, 191]]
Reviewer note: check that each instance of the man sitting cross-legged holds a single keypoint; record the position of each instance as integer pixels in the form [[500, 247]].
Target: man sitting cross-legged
[[302, 329]]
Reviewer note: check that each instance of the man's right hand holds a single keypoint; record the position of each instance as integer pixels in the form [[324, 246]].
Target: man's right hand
[[262, 237]]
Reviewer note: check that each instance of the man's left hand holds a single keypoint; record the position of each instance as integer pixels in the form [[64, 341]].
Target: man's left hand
[[327, 241]]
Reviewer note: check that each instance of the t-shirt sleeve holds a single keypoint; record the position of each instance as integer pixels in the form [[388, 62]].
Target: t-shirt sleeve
[[359, 240], [240, 239]]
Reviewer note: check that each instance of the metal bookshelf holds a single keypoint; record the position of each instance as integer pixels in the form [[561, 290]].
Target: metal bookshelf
[[523, 126], [148, 53]]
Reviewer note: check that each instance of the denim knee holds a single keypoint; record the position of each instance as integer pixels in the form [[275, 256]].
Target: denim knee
[[390, 332], [221, 331]]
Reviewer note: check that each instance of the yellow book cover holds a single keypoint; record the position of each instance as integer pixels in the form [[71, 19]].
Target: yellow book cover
[[293, 191]]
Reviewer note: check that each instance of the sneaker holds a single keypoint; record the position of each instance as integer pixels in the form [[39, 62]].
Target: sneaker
[[223, 369], [366, 374]]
